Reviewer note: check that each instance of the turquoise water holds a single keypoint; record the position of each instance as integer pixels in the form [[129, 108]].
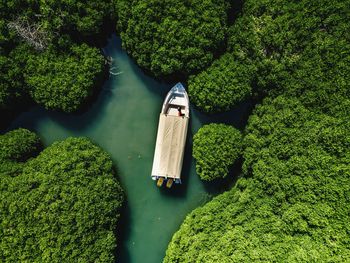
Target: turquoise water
[[123, 121]]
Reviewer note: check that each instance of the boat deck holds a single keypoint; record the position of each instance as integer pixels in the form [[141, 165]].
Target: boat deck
[[171, 139]]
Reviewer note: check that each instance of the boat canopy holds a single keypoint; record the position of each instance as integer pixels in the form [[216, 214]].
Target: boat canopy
[[171, 139]]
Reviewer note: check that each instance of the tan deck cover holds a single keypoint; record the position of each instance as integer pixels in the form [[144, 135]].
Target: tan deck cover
[[170, 146]]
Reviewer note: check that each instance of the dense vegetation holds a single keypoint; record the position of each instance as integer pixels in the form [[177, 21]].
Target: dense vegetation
[[216, 147], [50, 33], [84, 18], [268, 43], [62, 205], [75, 18], [10, 86], [172, 37], [291, 204], [74, 74], [18, 145], [222, 86]]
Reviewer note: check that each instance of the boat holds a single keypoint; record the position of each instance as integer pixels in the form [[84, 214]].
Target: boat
[[171, 137]]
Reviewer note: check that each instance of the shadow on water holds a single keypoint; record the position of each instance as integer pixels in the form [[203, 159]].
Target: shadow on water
[[79, 121], [123, 229], [123, 232], [7, 116], [76, 121], [160, 89], [102, 95], [237, 117], [221, 185]]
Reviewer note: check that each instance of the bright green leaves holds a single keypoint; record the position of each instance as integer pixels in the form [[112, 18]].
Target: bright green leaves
[[12, 87], [224, 84], [58, 80], [291, 204], [85, 17], [18, 145], [298, 48], [64, 81], [63, 75], [216, 147], [63, 205], [173, 37]]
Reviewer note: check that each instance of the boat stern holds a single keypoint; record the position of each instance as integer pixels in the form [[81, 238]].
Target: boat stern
[[167, 180]]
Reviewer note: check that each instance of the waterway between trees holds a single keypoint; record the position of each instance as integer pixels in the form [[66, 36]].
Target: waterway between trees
[[123, 121]]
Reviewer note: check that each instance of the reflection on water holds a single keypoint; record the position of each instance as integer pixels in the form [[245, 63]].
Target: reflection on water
[[123, 120]]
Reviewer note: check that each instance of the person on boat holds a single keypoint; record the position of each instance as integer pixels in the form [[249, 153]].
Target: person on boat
[[179, 111]]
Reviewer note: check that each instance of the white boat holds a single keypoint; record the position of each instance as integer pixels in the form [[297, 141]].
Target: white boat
[[171, 137]]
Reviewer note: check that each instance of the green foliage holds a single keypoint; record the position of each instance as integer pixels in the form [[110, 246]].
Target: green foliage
[[231, 78], [62, 206], [13, 89], [319, 78], [5, 87], [291, 204], [221, 86], [83, 17], [216, 147], [64, 68], [172, 37], [18, 145], [281, 40], [13, 8], [64, 81]]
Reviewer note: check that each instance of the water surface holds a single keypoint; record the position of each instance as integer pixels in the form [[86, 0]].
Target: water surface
[[123, 121]]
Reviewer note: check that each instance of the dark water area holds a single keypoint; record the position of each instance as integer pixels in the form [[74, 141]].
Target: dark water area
[[123, 120]]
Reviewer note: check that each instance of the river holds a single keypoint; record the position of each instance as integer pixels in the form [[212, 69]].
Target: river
[[123, 121]]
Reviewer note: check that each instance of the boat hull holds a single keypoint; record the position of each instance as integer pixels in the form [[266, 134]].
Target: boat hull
[[171, 137]]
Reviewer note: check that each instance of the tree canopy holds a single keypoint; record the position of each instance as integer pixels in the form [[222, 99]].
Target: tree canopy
[[223, 85], [51, 34], [172, 37], [18, 145], [85, 18], [10, 82], [62, 205], [216, 147], [64, 81], [267, 44], [291, 204]]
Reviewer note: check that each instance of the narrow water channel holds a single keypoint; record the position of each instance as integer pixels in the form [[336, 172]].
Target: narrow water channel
[[123, 121]]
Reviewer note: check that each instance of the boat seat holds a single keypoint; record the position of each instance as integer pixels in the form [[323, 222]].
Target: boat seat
[[172, 111]]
